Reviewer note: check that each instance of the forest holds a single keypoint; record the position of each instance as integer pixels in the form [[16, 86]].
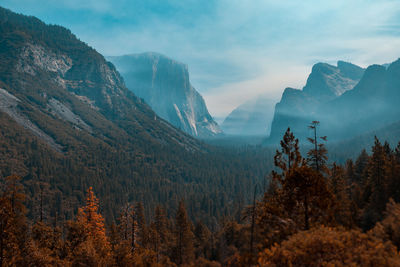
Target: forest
[[312, 213]]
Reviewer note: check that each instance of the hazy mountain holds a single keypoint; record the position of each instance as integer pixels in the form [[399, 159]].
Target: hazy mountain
[[68, 121], [351, 147], [371, 105], [164, 84], [298, 108], [251, 118]]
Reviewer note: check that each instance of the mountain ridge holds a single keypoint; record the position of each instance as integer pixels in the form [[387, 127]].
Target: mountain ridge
[[164, 84], [298, 108], [251, 118]]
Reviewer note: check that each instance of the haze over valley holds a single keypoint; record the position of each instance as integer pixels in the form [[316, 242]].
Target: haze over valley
[[217, 133]]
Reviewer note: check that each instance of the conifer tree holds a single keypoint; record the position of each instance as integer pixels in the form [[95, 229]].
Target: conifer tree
[[360, 167], [289, 156], [342, 210], [183, 248], [87, 236], [202, 235], [141, 225], [160, 231], [296, 199], [13, 226], [376, 192], [317, 156], [397, 153], [305, 195]]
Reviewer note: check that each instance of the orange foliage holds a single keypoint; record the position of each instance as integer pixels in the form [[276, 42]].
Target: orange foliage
[[92, 224], [91, 219], [326, 246]]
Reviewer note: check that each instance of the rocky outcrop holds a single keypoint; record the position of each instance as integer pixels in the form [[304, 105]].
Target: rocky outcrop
[[298, 108], [346, 107], [8, 105], [69, 94], [164, 84]]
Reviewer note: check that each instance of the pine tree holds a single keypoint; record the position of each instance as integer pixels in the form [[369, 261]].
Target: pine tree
[[305, 195], [317, 156], [376, 192], [183, 247], [289, 156], [202, 235], [397, 153], [296, 199], [360, 167], [141, 225], [13, 226], [160, 232], [88, 234], [342, 210]]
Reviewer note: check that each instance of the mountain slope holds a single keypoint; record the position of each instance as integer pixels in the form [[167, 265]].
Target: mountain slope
[[372, 104], [251, 118], [164, 84], [298, 108], [68, 122]]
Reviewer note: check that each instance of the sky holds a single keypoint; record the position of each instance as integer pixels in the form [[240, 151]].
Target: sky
[[235, 50]]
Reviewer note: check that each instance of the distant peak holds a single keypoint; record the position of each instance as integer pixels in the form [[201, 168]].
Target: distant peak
[[375, 68], [324, 68], [346, 65], [290, 91], [154, 56]]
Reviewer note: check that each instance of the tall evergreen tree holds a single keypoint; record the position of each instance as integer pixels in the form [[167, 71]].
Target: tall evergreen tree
[[87, 235], [13, 226], [377, 185], [317, 156], [141, 225], [360, 167], [338, 184], [183, 247], [288, 157]]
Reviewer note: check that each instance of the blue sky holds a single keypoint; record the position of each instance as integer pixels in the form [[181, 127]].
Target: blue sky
[[235, 50]]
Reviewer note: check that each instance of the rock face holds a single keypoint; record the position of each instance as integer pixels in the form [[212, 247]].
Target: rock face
[[298, 108], [251, 118], [347, 100], [372, 104], [164, 84], [65, 93]]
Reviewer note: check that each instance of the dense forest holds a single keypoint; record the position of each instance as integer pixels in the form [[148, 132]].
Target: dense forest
[[312, 213], [91, 176], [118, 145]]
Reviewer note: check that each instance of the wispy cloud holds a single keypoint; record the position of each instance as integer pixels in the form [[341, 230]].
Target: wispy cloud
[[235, 49]]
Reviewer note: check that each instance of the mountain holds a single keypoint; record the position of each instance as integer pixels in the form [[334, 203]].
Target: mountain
[[372, 103], [68, 122], [350, 148], [164, 84], [251, 118], [298, 108]]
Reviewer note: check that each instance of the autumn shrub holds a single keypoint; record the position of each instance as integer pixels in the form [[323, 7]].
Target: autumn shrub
[[325, 246]]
